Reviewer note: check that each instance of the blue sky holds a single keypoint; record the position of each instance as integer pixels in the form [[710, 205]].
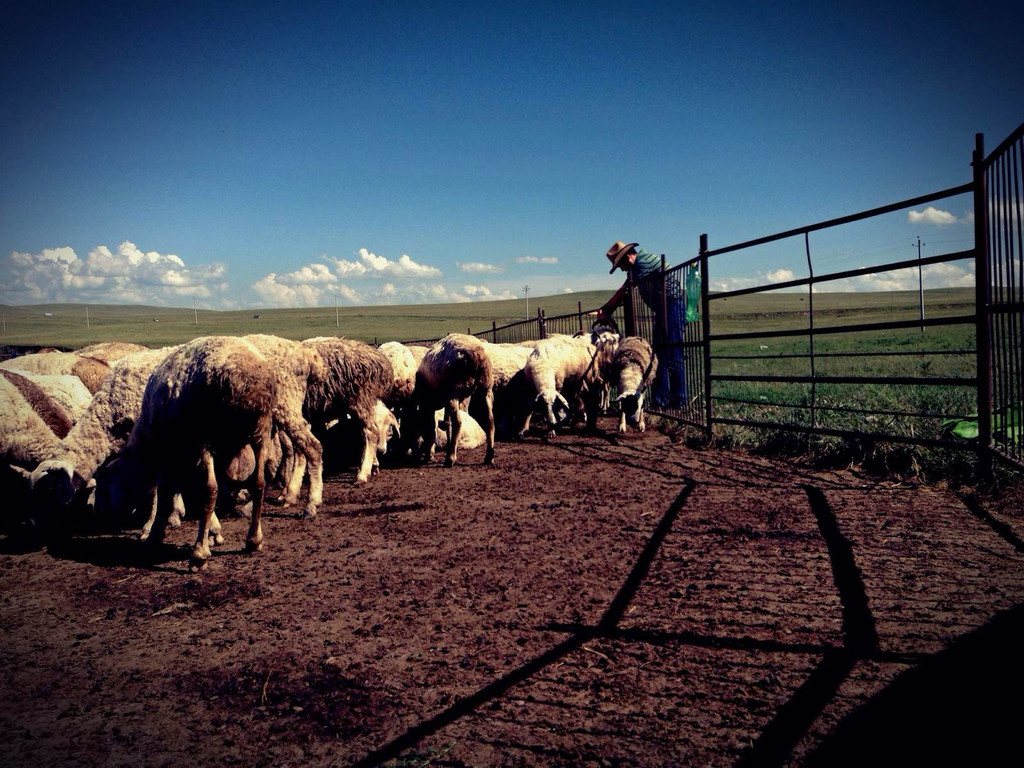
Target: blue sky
[[256, 154]]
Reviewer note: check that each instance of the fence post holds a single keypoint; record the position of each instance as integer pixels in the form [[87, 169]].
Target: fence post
[[629, 309], [663, 314], [810, 330], [579, 310], [705, 319], [982, 300], [542, 330], [494, 332]]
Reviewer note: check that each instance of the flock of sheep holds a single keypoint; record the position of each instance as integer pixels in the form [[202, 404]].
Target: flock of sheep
[[156, 434]]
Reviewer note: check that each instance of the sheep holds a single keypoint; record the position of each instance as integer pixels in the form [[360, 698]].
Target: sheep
[[343, 435], [202, 405], [55, 417], [355, 377], [91, 371], [508, 362], [110, 352], [404, 362], [296, 366], [578, 362], [454, 369], [471, 435], [66, 392], [24, 437], [634, 367], [101, 431], [24, 433]]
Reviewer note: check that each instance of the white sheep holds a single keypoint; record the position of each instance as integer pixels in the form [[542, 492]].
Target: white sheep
[[295, 367], [345, 433], [454, 369], [471, 434], [110, 351], [510, 386], [404, 362], [56, 418], [101, 431], [356, 376], [67, 392], [91, 371], [202, 405], [577, 363], [24, 435], [634, 367]]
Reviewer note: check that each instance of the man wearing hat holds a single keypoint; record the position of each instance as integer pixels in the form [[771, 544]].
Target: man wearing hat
[[670, 386]]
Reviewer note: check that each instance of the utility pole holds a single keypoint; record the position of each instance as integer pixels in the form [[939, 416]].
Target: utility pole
[[194, 310], [337, 319], [526, 292], [87, 316], [920, 281]]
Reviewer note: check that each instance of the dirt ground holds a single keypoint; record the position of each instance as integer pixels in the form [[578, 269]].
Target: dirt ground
[[594, 601]]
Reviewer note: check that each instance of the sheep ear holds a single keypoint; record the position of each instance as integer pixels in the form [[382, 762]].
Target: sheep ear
[[123, 428], [21, 472]]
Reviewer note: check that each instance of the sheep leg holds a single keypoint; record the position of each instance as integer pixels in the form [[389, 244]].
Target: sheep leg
[[369, 456], [310, 452], [177, 512], [293, 480], [489, 402], [216, 537], [257, 491], [147, 528], [208, 494], [622, 421], [454, 415]]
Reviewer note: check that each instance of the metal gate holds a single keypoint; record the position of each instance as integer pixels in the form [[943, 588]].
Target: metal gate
[[999, 231]]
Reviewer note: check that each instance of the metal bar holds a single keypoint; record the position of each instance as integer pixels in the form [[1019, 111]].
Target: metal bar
[[951, 192], [890, 267], [982, 301], [810, 323], [705, 318], [946, 381], [1003, 146], [860, 328]]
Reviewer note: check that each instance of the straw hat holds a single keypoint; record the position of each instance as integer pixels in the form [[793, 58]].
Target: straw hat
[[617, 252]]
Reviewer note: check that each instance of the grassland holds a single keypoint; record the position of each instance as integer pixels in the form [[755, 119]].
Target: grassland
[[76, 325], [159, 326]]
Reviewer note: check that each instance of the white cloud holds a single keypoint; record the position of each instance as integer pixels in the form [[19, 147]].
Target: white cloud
[[780, 276], [567, 289], [931, 215], [126, 275], [369, 264], [536, 260], [950, 275], [932, 276], [479, 267]]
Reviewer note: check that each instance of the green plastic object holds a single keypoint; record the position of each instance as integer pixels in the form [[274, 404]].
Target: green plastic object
[[692, 295]]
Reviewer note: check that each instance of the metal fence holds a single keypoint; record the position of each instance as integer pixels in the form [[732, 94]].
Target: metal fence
[[845, 373], [999, 232]]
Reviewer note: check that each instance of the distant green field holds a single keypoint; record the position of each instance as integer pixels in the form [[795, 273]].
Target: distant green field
[[76, 325], [160, 326]]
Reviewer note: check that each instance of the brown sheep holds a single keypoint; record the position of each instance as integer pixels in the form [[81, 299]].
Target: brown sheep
[[456, 368], [203, 404], [356, 376]]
